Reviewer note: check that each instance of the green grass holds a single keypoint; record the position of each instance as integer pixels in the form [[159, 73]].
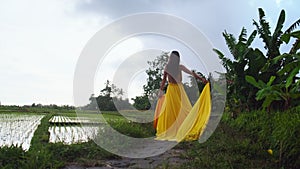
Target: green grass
[[43, 154], [226, 148], [278, 131], [236, 143], [12, 157]]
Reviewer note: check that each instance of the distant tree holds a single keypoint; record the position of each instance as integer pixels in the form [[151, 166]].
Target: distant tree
[[155, 73], [93, 105], [122, 104], [141, 102], [109, 99]]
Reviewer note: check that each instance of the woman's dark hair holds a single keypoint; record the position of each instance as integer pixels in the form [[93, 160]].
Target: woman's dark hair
[[175, 53], [172, 67]]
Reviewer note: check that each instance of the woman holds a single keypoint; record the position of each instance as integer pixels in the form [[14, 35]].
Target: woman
[[174, 107]]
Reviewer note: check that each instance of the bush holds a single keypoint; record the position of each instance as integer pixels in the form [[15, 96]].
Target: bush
[[11, 157], [277, 131]]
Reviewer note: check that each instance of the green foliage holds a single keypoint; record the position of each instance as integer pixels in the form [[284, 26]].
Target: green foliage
[[155, 73], [11, 157], [287, 90], [267, 92], [104, 100], [246, 61], [109, 99], [291, 69], [226, 148], [277, 74], [105, 103], [272, 41], [141, 102], [133, 129], [73, 153], [277, 131], [39, 156]]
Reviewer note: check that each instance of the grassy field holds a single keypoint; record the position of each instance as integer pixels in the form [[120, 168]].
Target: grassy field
[[236, 143]]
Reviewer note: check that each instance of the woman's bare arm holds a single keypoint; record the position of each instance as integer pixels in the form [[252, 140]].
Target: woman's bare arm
[[186, 70]]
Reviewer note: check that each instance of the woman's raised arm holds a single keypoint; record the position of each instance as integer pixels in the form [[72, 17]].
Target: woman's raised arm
[[186, 70]]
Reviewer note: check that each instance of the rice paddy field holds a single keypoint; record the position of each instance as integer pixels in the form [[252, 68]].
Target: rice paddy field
[[18, 129], [58, 138], [49, 138]]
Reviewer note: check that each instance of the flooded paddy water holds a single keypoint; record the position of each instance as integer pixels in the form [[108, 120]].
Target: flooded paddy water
[[18, 130], [69, 131]]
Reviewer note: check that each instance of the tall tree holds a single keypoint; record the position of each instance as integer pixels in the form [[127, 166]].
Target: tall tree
[[272, 42], [155, 73], [246, 60], [109, 99], [283, 69], [270, 78]]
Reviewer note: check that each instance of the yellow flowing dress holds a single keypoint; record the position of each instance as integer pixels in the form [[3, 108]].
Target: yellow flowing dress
[[176, 119]]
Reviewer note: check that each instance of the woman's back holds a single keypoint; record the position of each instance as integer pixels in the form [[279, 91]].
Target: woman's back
[[176, 78]]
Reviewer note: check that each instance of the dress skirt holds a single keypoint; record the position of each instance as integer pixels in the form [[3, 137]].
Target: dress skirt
[[176, 119]]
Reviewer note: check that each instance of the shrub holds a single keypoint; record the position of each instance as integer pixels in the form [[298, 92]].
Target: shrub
[[11, 157], [277, 131]]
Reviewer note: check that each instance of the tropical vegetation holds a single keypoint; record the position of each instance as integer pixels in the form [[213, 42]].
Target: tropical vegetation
[[266, 78]]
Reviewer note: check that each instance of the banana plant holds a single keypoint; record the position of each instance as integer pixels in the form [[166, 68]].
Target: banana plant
[[272, 41], [277, 74], [291, 69], [246, 61], [291, 33], [269, 92], [266, 90]]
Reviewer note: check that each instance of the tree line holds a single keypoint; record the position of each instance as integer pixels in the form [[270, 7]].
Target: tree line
[[110, 97], [257, 78]]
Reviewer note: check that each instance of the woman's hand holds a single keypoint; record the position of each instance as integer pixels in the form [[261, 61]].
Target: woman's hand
[[200, 78], [205, 81]]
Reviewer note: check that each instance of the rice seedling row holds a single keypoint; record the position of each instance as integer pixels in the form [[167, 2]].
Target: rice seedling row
[[68, 134], [18, 130], [68, 120], [68, 131]]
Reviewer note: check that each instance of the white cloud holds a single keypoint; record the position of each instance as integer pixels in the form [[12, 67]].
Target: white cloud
[[126, 63], [40, 41], [112, 61], [278, 2]]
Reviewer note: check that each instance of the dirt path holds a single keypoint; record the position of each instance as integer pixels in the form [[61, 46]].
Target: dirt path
[[169, 159]]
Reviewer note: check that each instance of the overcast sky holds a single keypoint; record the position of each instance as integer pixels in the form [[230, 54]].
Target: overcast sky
[[41, 40]]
